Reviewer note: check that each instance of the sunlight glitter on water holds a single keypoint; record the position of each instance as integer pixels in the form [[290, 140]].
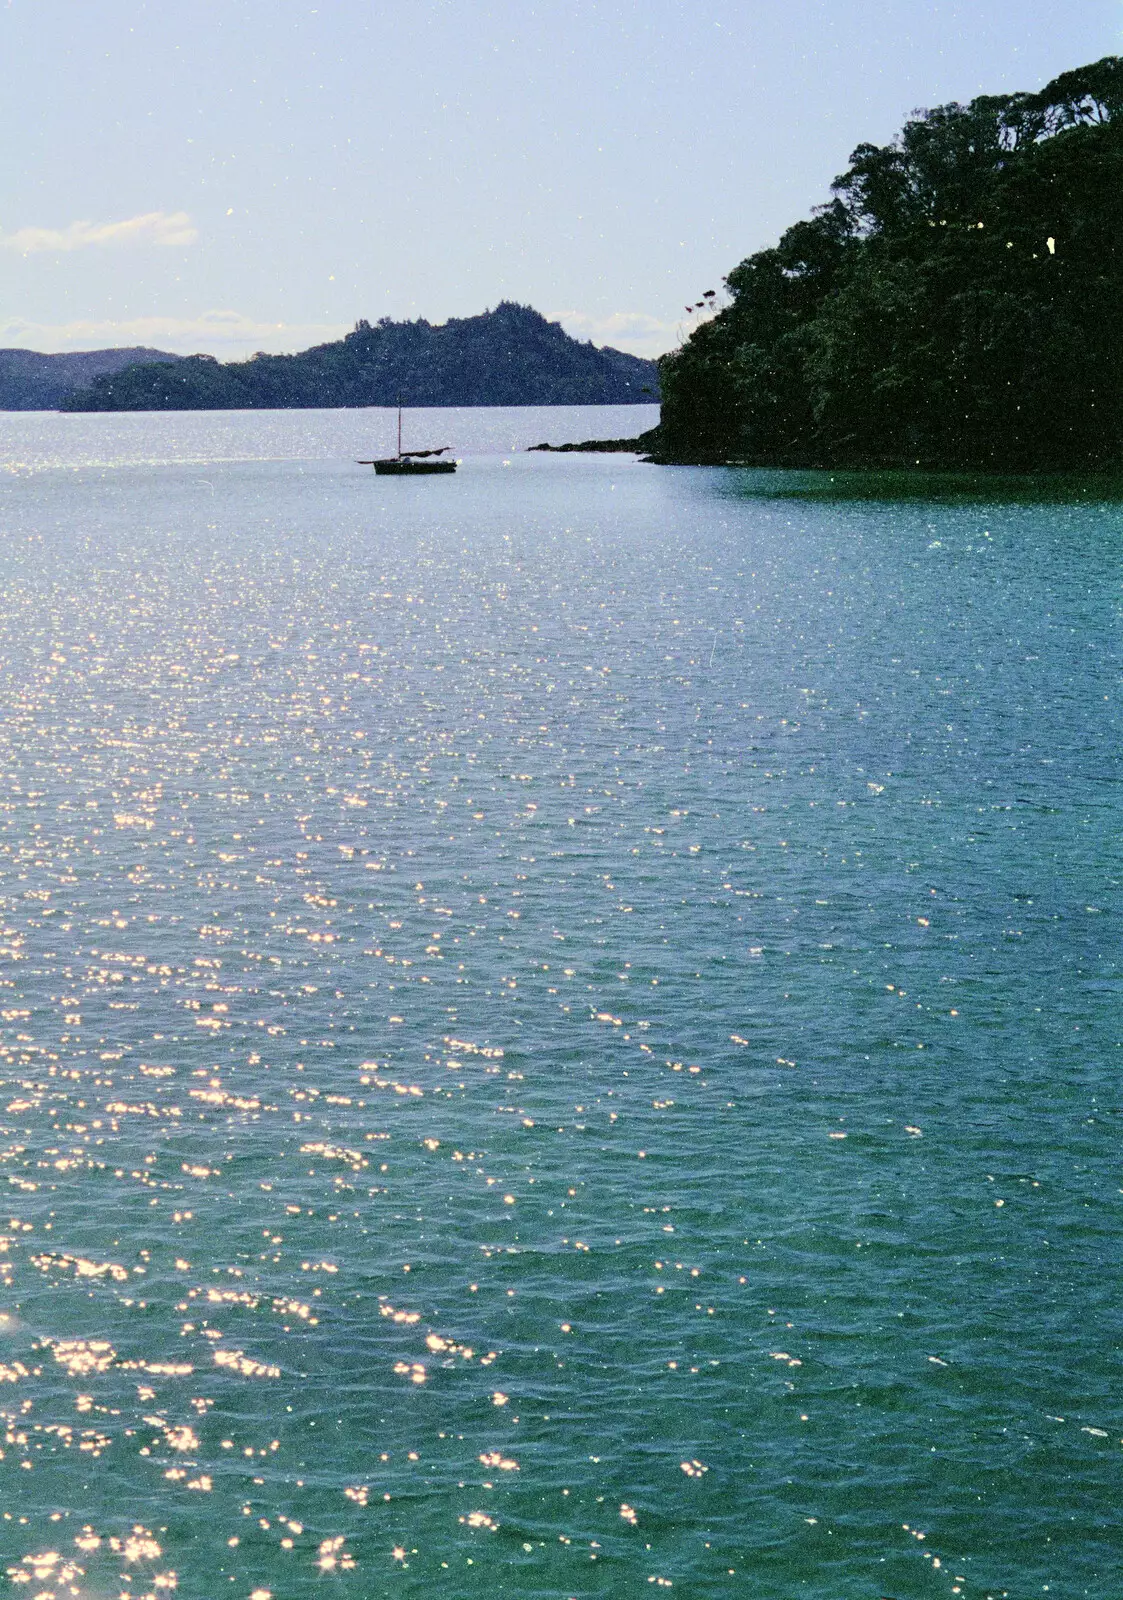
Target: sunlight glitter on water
[[493, 1081]]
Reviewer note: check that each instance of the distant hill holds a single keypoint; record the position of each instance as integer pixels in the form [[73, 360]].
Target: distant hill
[[507, 357], [33, 382]]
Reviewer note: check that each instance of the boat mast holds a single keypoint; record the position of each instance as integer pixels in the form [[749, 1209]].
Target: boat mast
[[399, 424]]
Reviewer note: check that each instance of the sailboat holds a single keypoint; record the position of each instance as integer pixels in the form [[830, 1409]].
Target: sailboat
[[410, 463]]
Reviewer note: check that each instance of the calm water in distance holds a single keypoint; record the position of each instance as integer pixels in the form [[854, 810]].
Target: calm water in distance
[[560, 1025]]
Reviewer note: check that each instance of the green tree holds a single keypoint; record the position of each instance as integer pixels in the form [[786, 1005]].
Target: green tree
[[957, 304]]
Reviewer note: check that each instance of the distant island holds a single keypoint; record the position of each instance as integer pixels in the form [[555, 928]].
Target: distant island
[[957, 305], [30, 381], [511, 356]]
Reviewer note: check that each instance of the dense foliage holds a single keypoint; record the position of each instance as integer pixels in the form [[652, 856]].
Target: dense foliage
[[959, 303], [507, 357], [33, 382]]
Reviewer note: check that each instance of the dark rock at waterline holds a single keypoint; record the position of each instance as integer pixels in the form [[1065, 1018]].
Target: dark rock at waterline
[[641, 444]]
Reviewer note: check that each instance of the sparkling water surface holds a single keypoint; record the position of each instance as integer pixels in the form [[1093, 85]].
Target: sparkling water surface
[[560, 1024]]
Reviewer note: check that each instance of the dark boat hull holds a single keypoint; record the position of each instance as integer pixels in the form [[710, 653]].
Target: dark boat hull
[[393, 468]]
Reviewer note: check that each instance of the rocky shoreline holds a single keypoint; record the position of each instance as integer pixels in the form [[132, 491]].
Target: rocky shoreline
[[643, 444]]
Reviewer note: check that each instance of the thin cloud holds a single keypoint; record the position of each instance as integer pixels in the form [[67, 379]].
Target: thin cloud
[[634, 331], [160, 228], [228, 334]]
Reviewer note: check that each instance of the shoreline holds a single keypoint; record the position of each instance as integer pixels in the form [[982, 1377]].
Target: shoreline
[[640, 444], [873, 481]]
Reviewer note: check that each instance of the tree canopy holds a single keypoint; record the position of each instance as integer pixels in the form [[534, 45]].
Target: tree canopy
[[957, 303]]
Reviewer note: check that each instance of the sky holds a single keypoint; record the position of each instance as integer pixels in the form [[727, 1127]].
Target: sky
[[239, 175]]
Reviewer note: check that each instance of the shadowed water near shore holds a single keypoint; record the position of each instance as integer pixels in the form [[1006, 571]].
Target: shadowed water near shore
[[942, 487], [797, 483]]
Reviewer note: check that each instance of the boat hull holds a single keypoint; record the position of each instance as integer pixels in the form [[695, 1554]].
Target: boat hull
[[392, 468]]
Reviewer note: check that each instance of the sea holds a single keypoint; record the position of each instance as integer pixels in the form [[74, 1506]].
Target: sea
[[560, 1023]]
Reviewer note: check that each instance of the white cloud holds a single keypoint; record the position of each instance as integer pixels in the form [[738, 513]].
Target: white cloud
[[634, 331], [151, 228], [227, 334]]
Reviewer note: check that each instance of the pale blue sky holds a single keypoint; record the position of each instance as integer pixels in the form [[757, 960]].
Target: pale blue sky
[[232, 175]]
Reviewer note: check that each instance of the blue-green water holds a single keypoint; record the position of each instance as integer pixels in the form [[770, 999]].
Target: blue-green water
[[560, 1026]]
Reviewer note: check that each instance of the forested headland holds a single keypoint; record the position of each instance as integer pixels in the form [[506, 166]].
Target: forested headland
[[511, 356], [958, 304]]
